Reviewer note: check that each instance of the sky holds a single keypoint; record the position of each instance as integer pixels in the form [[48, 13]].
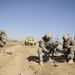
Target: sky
[[22, 18]]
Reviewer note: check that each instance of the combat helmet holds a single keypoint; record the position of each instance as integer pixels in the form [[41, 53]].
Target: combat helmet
[[48, 35], [2, 32], [65, 37]]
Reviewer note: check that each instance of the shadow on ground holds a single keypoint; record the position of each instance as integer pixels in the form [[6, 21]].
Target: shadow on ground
[[33, 58]]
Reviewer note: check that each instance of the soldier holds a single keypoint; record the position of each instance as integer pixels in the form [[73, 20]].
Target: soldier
[[3, 39], [44, 46], [68, 46]]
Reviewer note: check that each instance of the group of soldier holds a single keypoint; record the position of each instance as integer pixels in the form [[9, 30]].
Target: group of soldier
[[48, 46]]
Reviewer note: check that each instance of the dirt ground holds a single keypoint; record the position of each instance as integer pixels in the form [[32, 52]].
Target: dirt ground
[[24, 59]]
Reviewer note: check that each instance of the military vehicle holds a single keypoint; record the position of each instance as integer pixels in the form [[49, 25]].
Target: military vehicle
[[30, 41]]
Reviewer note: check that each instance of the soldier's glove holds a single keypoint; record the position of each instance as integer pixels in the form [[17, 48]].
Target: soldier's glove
[[66, 49], [46, 51]]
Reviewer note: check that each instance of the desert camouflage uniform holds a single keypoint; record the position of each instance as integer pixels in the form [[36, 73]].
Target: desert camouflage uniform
[[68, 46], [3, 39], [44, 46]]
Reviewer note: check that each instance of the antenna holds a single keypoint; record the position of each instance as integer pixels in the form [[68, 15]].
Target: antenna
[[74, 36], [57, 38]]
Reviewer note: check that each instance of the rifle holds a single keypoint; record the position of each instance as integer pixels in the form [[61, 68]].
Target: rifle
[[53, 48], [50, 48]]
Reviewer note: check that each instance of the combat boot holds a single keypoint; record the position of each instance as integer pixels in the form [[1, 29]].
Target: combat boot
[[2, 50], [70, 61], [41, 63]]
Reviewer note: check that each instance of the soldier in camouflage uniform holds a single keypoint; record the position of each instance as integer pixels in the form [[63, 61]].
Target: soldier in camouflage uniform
[[3, 39], [44, 46], [68, 46]]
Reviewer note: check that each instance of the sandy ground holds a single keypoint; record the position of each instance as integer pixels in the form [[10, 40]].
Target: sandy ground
[[24, 59]]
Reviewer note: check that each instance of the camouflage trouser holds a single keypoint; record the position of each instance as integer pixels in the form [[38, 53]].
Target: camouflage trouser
[[1, 43], [43, 55], [40, 54], [1, 46], [70, 53], [2, 49]]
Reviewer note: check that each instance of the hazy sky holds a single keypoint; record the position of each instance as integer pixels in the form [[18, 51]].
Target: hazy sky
[[21, 18]]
